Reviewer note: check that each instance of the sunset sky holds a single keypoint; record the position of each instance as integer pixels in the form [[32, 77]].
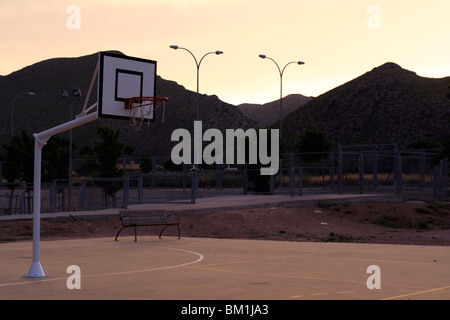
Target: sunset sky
[[337, 39]]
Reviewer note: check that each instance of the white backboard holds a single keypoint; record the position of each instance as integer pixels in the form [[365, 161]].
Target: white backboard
[[121, 77]]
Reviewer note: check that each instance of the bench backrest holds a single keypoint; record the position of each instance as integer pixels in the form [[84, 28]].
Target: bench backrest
[[137, 217]]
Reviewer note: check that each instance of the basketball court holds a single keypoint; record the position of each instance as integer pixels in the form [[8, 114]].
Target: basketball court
[[220, 269]]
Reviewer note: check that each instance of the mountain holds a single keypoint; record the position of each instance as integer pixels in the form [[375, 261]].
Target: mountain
[[48, 108], [268, 113], [385, 105]]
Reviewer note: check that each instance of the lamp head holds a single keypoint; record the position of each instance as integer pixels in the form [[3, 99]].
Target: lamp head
[[31, 93], [262, 56], [300, 62], [219, 52], [174, 47]]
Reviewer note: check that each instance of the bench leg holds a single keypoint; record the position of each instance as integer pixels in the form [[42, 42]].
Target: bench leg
[[118, 233], [162, 231], [166, 228], [135, 235]]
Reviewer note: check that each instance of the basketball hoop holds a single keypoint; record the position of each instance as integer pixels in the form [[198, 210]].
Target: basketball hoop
[[141, 109]]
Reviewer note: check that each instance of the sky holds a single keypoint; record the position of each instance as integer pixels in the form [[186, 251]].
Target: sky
[[338, 40]]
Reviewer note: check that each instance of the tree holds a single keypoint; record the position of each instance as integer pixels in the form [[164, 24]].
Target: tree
[[444, 152], [106, 154], [18, 162], [56, 159], [19, 159], [146, 163], [313, 140], [424, 143]]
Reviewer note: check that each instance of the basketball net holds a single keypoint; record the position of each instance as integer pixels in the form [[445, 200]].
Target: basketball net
[[142, 109]]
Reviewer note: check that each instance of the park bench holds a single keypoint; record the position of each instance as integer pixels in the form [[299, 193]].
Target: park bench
[[140, 218]]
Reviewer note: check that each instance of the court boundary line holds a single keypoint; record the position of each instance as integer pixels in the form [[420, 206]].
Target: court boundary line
[[416, 293]]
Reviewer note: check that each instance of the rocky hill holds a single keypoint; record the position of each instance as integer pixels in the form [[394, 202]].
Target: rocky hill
[[385, 105], [268, 113], [48, 108]]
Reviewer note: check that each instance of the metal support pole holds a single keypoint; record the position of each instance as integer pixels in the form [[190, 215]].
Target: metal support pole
[[36, 270], [40, 139]]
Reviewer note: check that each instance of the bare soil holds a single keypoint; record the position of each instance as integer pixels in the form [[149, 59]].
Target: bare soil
[[421, 223]]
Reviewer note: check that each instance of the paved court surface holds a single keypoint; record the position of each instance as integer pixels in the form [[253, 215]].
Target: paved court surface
[[219, 269]]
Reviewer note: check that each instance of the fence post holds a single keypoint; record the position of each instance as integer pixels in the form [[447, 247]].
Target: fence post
[[280, 175], [332, 171], [422, 169], [184, 176], [291, 174], [445, 171], [300, 180], [340, 169], [361, 173], [441, 180], [83, 196], [272, 184], [436, 182], [53, 193], [245, 177], [398, 169], [193, 188], [375, 171], [140, 189], [153, 172], [218, 177], [126, 190], [22, 206]]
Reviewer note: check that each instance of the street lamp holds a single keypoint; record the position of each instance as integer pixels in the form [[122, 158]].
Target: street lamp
[[263, 56], [197, 63], [12, 108]]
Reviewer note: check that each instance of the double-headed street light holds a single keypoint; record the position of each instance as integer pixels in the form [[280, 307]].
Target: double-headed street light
[[197, 63], [263, 56]]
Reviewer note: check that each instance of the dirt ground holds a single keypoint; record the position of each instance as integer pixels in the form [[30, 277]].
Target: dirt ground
[[421, 223]]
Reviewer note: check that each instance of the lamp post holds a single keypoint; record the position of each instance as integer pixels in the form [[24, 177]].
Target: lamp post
[[12, 108], [197, 63], [263, 56], [76, 94]]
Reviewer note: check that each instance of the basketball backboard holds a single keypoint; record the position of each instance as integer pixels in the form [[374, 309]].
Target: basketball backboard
[[121, 77]]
